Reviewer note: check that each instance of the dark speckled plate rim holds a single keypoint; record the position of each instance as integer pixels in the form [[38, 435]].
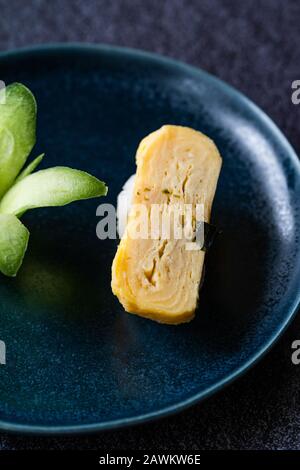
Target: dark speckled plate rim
[[260, 116]]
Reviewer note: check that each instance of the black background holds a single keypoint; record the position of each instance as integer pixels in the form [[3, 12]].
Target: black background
[[255, 46]]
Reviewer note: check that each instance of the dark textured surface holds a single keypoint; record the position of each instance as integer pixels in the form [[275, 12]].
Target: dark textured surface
[[252, 45]]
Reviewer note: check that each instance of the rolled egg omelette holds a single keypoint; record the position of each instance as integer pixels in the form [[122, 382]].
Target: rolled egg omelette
[[156, 276]]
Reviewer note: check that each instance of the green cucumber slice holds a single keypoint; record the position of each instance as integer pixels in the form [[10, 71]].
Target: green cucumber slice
[[56, 186], [17, 132], [13, 244]]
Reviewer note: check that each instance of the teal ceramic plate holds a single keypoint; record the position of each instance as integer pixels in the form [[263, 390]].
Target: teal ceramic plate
[[75, 360]]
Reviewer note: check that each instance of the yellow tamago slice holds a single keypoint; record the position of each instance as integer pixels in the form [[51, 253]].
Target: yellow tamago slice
[[159, 278]]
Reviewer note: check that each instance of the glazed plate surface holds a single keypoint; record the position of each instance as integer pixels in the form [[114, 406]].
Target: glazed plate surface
[[75, 360]]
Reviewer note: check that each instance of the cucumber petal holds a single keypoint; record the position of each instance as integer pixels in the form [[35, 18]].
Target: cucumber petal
[[13, 244], [56, 186], [17, 132], [30, 168], [7, 143]]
